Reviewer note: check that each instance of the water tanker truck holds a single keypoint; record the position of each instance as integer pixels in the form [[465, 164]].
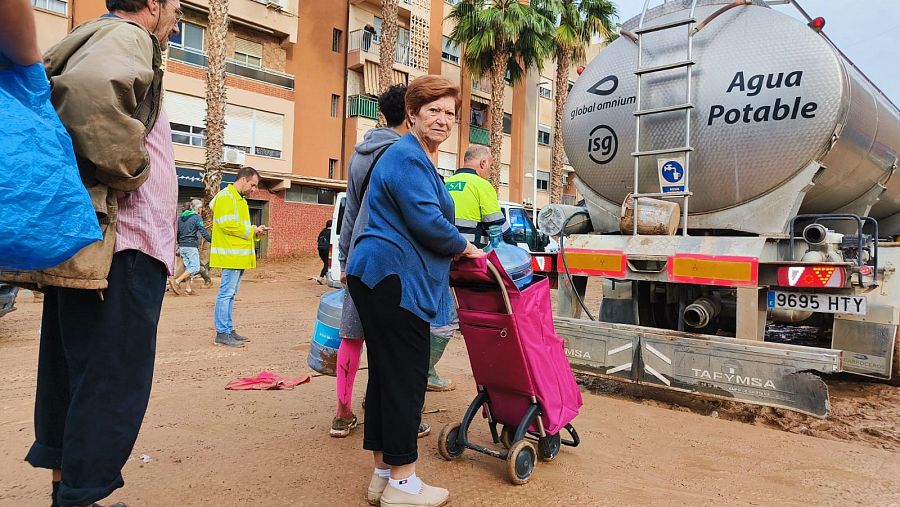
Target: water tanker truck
[[739, 179]]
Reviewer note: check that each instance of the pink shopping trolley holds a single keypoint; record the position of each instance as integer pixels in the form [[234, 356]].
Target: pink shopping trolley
[[522, 375]]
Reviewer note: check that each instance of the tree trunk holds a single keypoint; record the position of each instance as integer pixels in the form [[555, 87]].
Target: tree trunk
[[215, 96], [562, 93], [498, 87], [386, 49]]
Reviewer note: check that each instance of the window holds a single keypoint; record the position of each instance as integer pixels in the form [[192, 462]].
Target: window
[[543, 135], [446, 165], [546, 90], [507, 123], [332, 164], [59, 6], [335, 104], [520, 226], [309, 195], [450, 51], [508, 77], [190, 37], [248, 52], [504, 174], [568, 199], [477, 116], [336, 40], [543, 180], [188, 134], [255, 132]]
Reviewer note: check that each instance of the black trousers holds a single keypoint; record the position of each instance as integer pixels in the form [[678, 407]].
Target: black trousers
[[95, 370], [323, 254], [398, 348]]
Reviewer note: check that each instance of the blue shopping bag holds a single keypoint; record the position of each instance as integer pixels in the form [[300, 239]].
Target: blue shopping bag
[[46, 215]]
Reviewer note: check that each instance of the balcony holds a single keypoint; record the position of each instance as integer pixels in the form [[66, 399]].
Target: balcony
[[361, 105], [479, 135], [234, 67], [367, 42], [404, 7]]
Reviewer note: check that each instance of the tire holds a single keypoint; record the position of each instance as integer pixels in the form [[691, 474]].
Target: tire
[[520, 462], [548, 447], [449, 446], [506, 434]]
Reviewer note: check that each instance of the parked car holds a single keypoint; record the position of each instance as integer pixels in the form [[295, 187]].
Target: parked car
[[7, 298]]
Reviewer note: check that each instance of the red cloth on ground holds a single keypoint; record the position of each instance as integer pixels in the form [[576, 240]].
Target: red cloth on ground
[[264, 381]]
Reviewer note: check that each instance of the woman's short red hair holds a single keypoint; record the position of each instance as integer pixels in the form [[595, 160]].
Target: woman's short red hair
[[426, 89]]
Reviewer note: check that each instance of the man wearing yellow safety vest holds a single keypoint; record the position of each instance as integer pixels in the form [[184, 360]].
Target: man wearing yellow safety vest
[[233, 249], [475, 198], [477, 208]]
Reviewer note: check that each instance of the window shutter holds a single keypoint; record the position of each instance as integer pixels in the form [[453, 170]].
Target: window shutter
[[185, 109], [238, 126], [269, 130], [248, 47]]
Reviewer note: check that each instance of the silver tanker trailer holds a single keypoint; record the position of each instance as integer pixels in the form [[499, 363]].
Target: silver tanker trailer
[[738, 175]]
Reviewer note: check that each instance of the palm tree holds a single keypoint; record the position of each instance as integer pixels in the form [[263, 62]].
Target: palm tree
[[388, 41], [577, 23], [501, 38], [215, 96]]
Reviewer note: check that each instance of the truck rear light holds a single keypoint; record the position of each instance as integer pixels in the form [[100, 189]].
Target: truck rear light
[[817, 24], [866, 270], [811, 276]]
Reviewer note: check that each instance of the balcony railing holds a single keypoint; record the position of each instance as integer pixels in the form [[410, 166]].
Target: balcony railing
[[479, 135], [234, 67], [361, 105], [369, 42]]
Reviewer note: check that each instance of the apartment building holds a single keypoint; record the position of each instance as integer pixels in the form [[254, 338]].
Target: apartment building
[[302, 79]]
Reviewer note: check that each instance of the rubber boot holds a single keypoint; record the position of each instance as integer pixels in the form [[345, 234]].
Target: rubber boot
[[435, 382]]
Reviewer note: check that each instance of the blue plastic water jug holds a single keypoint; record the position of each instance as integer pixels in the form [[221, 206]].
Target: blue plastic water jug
[[326, 340], [515, 261]]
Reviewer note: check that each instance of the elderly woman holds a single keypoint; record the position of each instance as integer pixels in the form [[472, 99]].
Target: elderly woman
[[398, 277]]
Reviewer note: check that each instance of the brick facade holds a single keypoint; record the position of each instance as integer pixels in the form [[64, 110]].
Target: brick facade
[[295, 226], [231, 81]]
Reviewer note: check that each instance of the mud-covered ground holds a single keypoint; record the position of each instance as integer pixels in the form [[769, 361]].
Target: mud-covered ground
[[204, 445]]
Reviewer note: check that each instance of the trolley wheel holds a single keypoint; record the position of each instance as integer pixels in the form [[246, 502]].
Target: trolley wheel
[[506, 434], [449, 445], [521, 461], [548, 447]]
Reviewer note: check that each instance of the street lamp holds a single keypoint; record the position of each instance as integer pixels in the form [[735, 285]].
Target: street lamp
[[537, 133]]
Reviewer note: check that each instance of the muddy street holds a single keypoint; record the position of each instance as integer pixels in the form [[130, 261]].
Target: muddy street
[[203, 445]]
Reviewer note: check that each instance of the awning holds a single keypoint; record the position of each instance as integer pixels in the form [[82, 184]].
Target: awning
[[371, 72], [480, 100]]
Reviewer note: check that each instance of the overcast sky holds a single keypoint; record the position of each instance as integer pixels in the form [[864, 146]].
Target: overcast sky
[[867, 31]]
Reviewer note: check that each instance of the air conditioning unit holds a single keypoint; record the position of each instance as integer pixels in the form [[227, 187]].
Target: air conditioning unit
[[233, 156]]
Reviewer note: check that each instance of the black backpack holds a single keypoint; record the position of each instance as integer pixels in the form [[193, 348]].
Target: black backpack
[[324, 238]]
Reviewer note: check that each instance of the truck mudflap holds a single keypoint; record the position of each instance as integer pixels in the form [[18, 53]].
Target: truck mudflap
[[770, 374]]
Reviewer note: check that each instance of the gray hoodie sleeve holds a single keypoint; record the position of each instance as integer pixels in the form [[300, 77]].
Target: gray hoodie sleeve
[[351, 208]]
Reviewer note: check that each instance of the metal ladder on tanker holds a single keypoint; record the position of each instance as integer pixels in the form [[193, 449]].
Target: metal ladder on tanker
[[687, 107]]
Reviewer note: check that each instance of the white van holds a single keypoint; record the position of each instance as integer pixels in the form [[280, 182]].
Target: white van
[[526, 235]]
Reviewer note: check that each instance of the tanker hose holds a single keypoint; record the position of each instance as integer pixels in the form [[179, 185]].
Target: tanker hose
[[562, 254], [701, 312]]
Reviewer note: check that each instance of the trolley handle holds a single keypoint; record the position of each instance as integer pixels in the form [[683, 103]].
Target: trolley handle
[[502, 287]]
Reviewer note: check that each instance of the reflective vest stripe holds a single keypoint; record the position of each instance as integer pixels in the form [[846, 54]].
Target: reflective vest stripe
[[233, 251]]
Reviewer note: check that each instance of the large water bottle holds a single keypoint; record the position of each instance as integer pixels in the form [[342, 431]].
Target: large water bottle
[[515, 261]]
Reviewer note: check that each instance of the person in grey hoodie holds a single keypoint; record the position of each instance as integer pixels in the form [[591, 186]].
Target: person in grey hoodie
[[392, 105], [190, 228]]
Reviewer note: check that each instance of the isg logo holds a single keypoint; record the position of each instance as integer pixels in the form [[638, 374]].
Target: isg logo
[[602, 144]]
